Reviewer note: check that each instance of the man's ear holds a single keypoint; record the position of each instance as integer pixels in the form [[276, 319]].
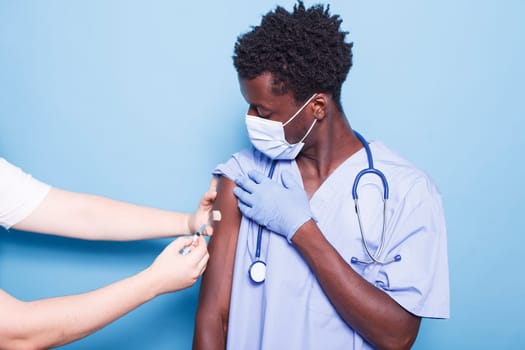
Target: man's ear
[[320, 105]]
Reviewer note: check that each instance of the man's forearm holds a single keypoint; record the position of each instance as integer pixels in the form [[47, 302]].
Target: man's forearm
[[369, 310]]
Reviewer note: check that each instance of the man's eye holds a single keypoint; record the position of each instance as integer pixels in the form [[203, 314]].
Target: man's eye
[[261, 112]]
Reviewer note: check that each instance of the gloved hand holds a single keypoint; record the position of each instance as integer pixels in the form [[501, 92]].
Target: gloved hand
[[280, 209]]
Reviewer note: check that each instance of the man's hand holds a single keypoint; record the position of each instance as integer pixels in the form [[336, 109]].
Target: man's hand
[[281, 209]]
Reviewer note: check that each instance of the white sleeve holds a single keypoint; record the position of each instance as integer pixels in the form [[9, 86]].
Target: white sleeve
[[20, 194]]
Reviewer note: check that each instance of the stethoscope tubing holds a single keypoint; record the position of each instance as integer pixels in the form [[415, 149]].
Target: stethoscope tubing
[[369, 170], [374, 258], [260, 228]]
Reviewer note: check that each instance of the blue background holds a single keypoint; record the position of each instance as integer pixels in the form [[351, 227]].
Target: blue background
[[139, 100]]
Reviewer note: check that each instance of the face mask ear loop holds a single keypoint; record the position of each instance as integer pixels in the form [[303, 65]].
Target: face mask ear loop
[[300, 109], [308, 132]]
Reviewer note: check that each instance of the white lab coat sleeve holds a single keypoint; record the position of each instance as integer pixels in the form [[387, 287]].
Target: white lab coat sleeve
[[420, 281], [20, 194]]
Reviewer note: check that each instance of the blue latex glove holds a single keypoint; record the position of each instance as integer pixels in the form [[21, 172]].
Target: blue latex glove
[[281, 209]]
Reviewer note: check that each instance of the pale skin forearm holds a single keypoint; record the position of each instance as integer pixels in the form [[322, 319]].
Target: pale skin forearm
[[94, 217], [52, 322], [370, 311]]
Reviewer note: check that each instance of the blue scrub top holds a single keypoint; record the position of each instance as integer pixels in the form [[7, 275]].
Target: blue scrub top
[[290, 310]]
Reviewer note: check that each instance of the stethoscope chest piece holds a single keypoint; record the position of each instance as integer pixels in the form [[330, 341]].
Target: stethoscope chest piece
[[257, 271]]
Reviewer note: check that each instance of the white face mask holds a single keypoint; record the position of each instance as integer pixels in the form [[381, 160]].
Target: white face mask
[[268, 136]]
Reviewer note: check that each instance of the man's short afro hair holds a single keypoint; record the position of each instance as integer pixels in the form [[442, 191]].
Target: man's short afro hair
[[304, 50]]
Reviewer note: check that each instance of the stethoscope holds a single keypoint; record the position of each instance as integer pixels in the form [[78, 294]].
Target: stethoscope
[[374, 258], [257, 270]]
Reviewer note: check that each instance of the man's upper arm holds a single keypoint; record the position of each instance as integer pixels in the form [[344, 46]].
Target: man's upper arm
[[214, 299]]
